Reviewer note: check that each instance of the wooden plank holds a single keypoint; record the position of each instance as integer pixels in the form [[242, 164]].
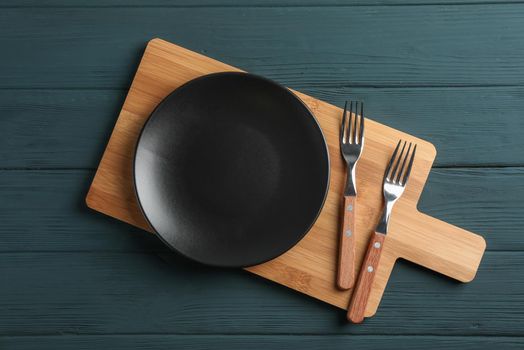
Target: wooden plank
[[229, 3], [320, 46], [61, 222], [454, 122], [59, 219], [56, 128], [239, 342], [107, 293]]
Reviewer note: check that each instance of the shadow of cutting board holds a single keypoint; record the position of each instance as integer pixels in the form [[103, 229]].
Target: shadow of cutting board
[[310, 266]]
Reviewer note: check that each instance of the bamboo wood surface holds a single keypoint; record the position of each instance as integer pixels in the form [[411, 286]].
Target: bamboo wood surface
[[310, 266]]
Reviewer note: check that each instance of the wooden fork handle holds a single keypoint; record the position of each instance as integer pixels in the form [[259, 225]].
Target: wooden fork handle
[[346, 255], [362, 290]]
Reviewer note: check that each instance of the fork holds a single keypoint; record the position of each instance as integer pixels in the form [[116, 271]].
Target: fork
[[351, 145], [395, 180]]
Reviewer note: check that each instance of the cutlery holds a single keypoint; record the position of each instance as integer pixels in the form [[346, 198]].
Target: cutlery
[[395, 180], [351, 145]]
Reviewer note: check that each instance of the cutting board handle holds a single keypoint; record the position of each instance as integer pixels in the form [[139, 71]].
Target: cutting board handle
[[454, 252], [429, 242]]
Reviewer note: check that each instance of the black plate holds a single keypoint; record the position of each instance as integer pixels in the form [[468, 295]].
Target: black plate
[[231, 169]]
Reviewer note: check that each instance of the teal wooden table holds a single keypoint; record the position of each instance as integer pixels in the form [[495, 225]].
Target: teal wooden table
[[450, 71]]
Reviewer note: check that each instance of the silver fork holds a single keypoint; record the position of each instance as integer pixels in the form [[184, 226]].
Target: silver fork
[[395, 180], [351, 145]]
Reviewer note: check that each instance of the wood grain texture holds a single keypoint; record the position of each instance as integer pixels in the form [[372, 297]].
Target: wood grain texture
[[129, 293], [60, 221], [230, 3], [366, 278], [453, 119], [439, 45], [310, 266], [67, 122], [347, 243], [236, 342]]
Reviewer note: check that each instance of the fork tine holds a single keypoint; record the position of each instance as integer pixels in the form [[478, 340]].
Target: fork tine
[[395, 168], [402, 168], [391, 160], [361, 134], [350, 120], [408, 170], [354, 137], [343, 126], [348, 124]]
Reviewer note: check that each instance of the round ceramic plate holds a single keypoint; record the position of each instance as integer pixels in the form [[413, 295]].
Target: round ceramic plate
[[231, 169]]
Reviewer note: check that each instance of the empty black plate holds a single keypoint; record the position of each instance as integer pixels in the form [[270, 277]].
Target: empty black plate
[[231, 169]]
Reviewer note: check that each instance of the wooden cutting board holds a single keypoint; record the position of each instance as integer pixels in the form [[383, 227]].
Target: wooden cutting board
[[310, 266]]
